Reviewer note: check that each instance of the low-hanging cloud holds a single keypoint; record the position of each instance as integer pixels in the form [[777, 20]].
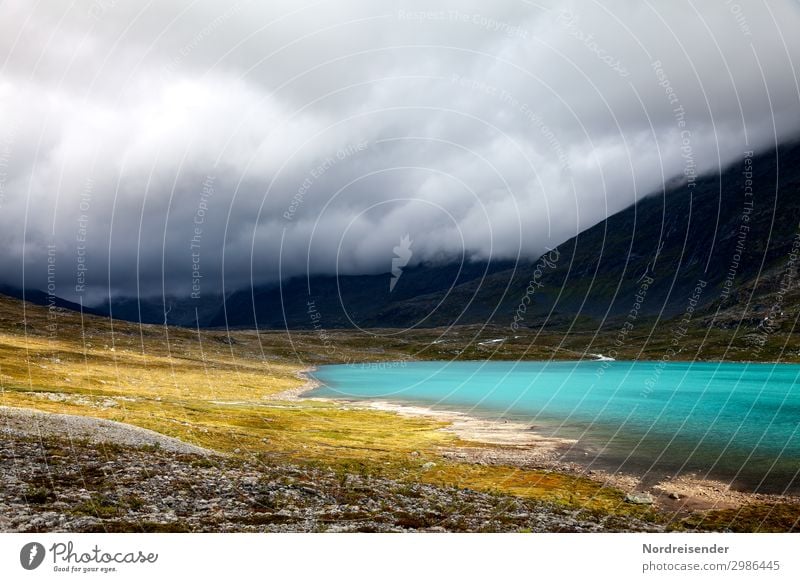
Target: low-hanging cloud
[[178, 147]]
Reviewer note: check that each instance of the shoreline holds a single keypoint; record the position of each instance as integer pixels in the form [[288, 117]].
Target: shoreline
[[309, 384], [121, 484], [517, 444]]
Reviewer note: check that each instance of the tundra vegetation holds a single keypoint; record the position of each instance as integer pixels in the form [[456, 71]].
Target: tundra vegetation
[[222, 391]]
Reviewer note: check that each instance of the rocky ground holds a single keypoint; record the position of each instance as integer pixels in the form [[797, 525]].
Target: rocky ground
[[60, 474]]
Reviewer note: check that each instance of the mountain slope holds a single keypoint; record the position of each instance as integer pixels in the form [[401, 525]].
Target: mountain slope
[[719, 237], [347, 301], [720, 250], [699, 246], [44, 299]]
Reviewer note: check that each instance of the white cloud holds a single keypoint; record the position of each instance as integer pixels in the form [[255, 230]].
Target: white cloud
[[491, 130]]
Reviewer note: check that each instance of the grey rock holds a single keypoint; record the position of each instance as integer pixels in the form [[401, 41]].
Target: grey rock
[[639, 498]]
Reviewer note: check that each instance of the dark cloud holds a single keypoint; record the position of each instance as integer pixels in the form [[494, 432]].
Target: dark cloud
[[248, 140]]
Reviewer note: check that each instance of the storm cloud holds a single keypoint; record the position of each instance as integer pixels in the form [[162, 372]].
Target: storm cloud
[[149, 147]]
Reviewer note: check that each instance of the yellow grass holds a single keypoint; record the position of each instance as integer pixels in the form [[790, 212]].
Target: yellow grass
[[220, 395]]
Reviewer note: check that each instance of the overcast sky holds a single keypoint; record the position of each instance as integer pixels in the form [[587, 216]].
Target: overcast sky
[[248, 140]]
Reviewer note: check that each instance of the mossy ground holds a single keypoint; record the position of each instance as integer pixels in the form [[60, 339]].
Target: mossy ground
[[774, 518]]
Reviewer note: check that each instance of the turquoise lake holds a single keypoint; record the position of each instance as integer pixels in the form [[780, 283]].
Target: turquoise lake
[[732, 421]]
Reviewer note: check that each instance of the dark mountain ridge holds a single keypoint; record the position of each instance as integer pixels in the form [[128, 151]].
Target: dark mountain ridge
[[720, 246], [723, 234]]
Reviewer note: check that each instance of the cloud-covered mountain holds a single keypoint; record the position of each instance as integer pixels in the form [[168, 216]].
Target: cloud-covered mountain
[[724, 254], [178, 148]]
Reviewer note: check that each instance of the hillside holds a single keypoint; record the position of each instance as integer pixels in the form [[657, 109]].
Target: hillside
[[278, 463], [225, 393], [734, 236]]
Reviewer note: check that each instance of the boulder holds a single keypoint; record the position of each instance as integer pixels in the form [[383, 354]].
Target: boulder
[[639, 498]]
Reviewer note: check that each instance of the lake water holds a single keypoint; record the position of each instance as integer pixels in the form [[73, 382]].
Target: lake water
[[731, 421]]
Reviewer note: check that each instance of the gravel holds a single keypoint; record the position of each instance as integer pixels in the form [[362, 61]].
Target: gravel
[[24, 421], [57, 478]]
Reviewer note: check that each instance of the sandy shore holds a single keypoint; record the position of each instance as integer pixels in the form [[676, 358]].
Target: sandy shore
[[518, 444], [309, 384], [471, 428]]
